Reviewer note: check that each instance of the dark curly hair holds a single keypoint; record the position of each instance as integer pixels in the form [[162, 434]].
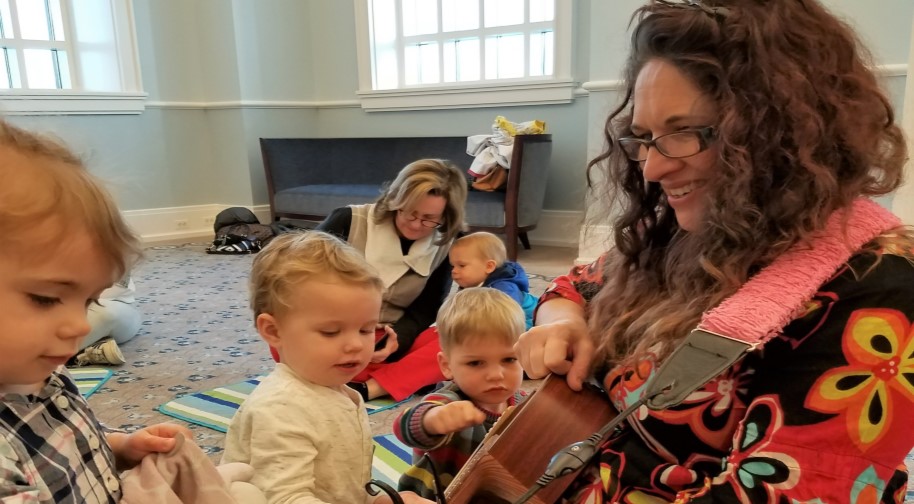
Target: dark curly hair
[[803, 129]]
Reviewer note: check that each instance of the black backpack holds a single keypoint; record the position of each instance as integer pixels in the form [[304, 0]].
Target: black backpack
[[238, 231], [234, 244], [234, 215]]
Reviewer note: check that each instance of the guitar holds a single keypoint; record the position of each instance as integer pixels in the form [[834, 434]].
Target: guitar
[[519, 446]]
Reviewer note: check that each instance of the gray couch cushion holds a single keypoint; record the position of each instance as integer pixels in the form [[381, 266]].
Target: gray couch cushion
[[485, 208], [321, 199]]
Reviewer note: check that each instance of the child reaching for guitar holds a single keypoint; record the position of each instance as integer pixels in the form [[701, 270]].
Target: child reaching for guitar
[[477, 329], [316, 301]]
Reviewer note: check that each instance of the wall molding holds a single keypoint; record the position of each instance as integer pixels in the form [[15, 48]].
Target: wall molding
[[888, 70], [252, 104], [556, 228], [892, 70]]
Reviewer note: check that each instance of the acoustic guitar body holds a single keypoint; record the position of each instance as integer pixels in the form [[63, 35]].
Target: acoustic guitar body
[[518, 448]]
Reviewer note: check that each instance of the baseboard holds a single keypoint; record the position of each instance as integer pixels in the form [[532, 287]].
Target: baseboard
[[594, 240], [556, 228], [182, 223]]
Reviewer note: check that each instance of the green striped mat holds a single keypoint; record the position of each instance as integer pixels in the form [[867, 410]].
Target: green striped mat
[[215, 408], [89, 379], [391, 459]]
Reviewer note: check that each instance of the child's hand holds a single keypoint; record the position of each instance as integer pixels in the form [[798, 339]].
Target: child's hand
[[390, 345], [129, 449], [452, 417]]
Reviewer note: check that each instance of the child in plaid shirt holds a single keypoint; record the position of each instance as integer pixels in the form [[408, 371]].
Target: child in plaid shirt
[[477, 328], [64, 243]]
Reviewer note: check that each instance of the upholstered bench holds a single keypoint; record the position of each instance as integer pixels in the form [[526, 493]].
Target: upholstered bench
[[308, 177]]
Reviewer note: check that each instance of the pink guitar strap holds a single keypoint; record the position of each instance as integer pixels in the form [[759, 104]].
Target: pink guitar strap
[[761, 308]]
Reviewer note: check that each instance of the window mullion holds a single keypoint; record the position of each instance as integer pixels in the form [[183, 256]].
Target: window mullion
[[401, 46], [48, 20], [72, 57], [441, 39], [20, 50], [482, 40], [528, 38]]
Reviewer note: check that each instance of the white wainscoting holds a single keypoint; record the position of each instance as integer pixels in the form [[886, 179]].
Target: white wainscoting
[[177, 223], [556, 228]]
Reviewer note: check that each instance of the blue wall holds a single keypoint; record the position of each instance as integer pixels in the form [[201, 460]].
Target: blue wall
[[222, 73]]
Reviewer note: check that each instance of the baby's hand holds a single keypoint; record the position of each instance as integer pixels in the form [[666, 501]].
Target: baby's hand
[[390, 344], [452, 417], [129, 449]]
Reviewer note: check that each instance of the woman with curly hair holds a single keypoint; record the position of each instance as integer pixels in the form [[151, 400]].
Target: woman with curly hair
[[750, 133]]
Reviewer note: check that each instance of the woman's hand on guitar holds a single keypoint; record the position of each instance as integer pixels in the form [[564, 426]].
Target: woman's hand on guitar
[[559, 343], [452, 417]]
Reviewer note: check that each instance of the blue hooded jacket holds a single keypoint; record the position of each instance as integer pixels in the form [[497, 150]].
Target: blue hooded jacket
[[511, 279]]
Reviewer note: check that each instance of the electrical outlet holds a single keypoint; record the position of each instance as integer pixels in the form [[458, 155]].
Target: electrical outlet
[[181, 223]]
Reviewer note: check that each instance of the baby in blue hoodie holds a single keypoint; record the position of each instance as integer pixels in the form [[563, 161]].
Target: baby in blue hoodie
[[480, 260]]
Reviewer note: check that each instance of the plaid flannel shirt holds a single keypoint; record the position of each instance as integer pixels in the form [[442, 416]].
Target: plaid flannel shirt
[[53, 449]]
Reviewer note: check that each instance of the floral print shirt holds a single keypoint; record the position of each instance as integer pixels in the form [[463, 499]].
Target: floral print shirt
[[821, 413]]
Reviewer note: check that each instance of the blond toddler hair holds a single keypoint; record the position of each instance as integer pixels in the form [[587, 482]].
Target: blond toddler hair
[[292, 258], [479, 312], [486, 245]]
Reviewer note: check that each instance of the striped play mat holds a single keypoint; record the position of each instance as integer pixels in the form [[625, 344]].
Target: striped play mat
[[391, 459], [215, 408], [89, 379]]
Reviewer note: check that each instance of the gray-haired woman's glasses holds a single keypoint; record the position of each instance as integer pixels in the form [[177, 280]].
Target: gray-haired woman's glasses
[[680, 144], [425, 222]]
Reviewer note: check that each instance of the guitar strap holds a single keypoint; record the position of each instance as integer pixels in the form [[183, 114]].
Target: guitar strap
[[760, 309]]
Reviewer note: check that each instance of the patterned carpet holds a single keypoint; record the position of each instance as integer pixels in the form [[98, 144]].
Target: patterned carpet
[[197, 334]]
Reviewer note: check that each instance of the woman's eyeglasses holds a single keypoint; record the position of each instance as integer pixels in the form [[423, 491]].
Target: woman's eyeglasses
[[680, 144], [425, 222]]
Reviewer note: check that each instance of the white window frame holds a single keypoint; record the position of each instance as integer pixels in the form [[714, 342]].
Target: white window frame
[[558, 88], [120, 50]]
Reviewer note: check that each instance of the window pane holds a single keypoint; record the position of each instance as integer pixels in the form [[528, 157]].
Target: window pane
[[503, 12], [421, 63], [6, 23], [420, 17], [542, 10], [33, 20], [386, 73], [39, 68], [4, 76], [12, 67], [461, 60], [541, 53], [383, 21], [384, 43], [459, 15], [505, 56]]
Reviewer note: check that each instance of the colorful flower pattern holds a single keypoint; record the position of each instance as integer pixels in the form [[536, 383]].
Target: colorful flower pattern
[[879, 347], [820, 414]]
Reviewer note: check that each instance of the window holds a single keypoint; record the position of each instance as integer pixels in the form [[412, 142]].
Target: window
[[68, 56], [416, 54]]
